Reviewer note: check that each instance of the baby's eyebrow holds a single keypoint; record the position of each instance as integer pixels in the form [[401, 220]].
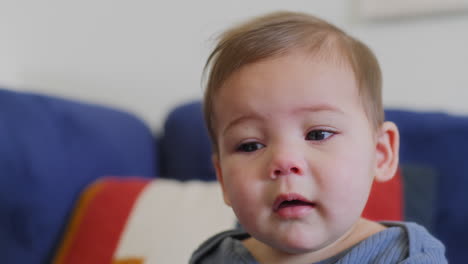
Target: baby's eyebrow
[[318, 108], [298, 110], [240, 119]]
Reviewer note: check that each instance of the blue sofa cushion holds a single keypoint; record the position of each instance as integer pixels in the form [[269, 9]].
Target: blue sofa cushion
[[185, 145], [50, 150], [440, 141]]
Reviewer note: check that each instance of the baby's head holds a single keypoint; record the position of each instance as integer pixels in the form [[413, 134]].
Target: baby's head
[[282, 33], [293, 106]]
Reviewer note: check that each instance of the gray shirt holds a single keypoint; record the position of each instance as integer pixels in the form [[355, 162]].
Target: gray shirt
[[400, 243]]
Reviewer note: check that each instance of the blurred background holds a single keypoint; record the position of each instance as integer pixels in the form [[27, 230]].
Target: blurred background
[[147, 56]]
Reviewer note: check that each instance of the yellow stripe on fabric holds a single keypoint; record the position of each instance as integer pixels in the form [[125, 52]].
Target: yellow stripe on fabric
[[76, 219], [128, 261]]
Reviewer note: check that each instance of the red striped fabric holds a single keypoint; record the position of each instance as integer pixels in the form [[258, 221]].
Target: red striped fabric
[[98, 221]]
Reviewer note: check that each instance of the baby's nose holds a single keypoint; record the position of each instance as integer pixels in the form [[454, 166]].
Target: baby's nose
[[286, 165], [292, 170]]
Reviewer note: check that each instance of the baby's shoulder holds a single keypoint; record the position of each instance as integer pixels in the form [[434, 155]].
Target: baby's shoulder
[[225, 247], [400, 242], [422, 246]]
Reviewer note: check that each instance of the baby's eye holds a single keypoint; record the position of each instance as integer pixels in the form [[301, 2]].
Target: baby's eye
[[317, 135], [250, 147]]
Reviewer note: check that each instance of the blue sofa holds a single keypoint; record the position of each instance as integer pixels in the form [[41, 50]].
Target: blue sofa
[[51, 148]]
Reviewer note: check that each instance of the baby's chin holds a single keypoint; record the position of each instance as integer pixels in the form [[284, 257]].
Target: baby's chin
[[312, 247], [297, 245], [316, 245]]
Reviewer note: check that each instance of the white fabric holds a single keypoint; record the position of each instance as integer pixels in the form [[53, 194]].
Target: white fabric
[[171, 219]]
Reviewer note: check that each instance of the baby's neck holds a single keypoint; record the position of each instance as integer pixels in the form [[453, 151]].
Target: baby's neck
[[359, 232]]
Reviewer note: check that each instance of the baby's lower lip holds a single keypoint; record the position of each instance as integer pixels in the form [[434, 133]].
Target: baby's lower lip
[[295, 212]]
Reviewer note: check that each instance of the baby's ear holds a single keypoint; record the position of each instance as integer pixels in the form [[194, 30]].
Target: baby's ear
[[387, 147], [219, 176]]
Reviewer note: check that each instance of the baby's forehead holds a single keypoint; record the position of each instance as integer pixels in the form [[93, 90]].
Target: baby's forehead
[[287, 85], [329, 58], [312, 63]]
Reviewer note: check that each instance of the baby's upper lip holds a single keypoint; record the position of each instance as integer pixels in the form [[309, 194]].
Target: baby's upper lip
[[289, 197]]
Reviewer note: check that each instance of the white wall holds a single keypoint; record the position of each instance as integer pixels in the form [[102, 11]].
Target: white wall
[[147, 56]]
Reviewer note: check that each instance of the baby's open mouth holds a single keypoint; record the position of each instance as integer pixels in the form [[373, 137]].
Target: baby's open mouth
[[292, 206], [291, 200], [293, 203]]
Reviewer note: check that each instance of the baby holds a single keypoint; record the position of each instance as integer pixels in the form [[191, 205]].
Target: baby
[[294, 110]]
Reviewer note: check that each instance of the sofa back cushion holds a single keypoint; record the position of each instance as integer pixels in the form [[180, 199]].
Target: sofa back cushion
[[51, 148], [440, 141]]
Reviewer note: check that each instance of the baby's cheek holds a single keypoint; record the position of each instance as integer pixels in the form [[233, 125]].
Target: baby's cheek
[[346, 186], [245, 209], [245, 199], [236, 190]]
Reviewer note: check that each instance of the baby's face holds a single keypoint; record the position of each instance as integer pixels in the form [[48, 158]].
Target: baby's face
[[297, 154]]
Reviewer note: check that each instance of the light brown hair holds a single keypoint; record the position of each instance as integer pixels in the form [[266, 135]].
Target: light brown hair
[[278, 33]]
